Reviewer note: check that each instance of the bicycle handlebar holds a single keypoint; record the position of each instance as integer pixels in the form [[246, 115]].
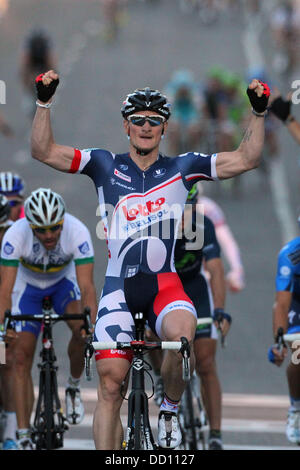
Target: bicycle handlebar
[[291, 337], [39, 317], [279, 339], [205, 321], [181, 346], [101, 345]]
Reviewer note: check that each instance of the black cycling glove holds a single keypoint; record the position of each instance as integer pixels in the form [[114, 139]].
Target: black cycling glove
[[281, 108], [45, 92], [220, 315], [259, 103]]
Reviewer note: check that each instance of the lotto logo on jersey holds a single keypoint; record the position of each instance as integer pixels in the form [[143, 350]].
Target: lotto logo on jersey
[[143, 209]]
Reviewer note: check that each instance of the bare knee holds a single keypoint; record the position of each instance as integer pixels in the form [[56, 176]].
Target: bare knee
[[111, 379], [178, 324]]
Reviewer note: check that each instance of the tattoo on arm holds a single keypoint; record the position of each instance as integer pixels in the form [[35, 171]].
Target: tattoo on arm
[[247, 135]]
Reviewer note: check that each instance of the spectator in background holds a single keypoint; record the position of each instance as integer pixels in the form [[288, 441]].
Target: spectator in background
[[37, 57]]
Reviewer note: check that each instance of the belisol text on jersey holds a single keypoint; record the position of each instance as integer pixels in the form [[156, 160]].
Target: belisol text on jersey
[[139, 217]]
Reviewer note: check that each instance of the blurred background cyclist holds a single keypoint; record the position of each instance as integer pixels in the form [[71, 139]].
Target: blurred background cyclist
[[184, 130], [284, 24], [12, 186], [235, 277], [8, 421]]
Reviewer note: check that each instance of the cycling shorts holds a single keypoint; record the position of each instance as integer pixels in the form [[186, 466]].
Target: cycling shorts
[[198, 290], [27, 299], [153, 294]]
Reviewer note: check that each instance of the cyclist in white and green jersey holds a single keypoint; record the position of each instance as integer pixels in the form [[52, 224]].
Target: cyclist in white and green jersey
[[48, 253]]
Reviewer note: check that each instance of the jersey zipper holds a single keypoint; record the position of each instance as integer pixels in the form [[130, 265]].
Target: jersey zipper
[[142, 241]]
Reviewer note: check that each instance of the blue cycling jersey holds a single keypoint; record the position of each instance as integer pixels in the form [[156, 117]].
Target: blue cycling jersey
[[288, 279], [288, 270], [142, 210]]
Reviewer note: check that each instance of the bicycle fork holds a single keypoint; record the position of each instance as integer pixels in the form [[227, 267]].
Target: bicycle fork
[[139, 432]]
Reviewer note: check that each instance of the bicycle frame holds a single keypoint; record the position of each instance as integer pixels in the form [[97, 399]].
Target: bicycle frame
[[139, 435], [192, 416], [49, 421], [138, 424]]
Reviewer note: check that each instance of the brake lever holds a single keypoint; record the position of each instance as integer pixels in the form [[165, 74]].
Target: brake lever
[[185, 351], [88, 354]]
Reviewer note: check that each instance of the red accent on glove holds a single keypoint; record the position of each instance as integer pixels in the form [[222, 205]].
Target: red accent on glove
[[267, 90], [39, 77]]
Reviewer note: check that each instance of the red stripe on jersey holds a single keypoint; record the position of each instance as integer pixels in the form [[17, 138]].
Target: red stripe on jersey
[[170, 289], [76, 161], [113, 354], [203, 177], [146, 194]]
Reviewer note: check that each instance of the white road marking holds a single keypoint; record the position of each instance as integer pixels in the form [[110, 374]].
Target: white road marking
[[253, 51], [228, 424], [86, 444], [229, 399]]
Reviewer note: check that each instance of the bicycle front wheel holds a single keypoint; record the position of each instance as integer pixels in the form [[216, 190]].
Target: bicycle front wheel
[[138, 441], [189, 420], [48, 408]]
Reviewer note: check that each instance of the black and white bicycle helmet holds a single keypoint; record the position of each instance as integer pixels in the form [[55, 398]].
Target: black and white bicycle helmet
[[44, 207], [4, 211], [11, 184], [146, 100]]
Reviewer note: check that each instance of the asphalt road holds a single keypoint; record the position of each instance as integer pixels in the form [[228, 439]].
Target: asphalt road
[[155, 40]]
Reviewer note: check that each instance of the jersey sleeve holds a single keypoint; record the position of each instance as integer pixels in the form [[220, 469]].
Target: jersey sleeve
[[11, 248], [211, 247], [196, 167], [213, 211], [83, 250], [285, 272], [94, 163]]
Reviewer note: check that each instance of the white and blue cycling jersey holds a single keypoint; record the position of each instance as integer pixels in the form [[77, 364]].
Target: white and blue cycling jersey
[[44, 273], [288, 279]]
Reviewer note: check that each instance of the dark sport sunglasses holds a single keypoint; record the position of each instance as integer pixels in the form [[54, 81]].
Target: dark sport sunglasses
[[15, 202], [139, 120], [43, 230]]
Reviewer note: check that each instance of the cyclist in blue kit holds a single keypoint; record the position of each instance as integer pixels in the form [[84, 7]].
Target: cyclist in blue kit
[[147, 192], [286, 314]]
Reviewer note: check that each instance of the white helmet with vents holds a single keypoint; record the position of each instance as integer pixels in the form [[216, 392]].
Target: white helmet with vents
[[44, 207]]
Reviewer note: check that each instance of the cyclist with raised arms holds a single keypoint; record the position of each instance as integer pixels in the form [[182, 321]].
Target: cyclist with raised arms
[[48, 253], [147, 193], [286, 314]]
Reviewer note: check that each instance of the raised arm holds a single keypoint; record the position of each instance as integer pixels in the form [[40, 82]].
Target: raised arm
[[282, 109], [247, 156], [43, 146]]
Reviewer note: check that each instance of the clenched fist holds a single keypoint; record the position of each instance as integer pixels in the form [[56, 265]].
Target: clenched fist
[[46, 84]]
